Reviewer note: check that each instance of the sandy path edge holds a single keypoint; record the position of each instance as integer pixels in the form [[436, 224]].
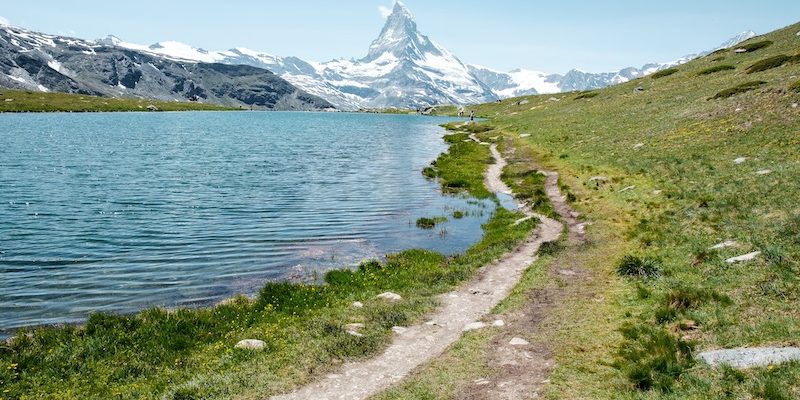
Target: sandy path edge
[[421, 343]]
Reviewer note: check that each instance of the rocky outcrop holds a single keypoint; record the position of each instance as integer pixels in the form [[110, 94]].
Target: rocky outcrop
[[39, 62]]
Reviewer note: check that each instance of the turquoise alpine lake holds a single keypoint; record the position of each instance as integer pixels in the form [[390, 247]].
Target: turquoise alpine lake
[[124, 211]]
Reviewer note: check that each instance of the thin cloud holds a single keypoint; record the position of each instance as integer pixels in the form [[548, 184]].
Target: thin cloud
[[385, 11]]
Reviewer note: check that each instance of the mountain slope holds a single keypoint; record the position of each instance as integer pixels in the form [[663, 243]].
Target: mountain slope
[[523, 82], [40, 62]]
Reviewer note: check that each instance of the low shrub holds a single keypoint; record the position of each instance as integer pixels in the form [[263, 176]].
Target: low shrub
[[716, 68], [653, 358], [639, 267], [458, 214], [745, 87], [768, 63], [664, 72], [551, 248], [587, 95], [751, 47]]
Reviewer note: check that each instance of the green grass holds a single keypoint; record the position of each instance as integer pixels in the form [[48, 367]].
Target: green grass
[[189, 354], [664, 73], [21, 101], [639, 267], [687, 195], [768, 63], [716, 68], [739, 89]]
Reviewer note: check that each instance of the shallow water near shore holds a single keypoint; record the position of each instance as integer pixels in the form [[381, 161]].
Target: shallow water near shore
[[120, 212]]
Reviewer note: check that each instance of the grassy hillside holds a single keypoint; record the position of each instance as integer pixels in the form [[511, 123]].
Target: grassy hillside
[[664, 168], [21, 101]]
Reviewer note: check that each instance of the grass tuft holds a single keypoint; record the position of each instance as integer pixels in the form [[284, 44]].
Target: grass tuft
[[587, 95], [639, 267], [795, 87], [652, 358], [430, 223]]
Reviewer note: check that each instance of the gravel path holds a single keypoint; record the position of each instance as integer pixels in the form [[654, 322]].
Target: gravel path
[[419, 344]]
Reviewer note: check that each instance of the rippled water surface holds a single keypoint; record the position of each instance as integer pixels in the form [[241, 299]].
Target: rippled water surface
[[119, 212]]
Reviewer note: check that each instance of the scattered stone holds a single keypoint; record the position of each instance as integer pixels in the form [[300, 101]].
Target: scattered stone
[[751, 357], [798, 33], [432, 323], [399, 330], [744, 258], [725, 244], [552, 99], [566, 272], [523, 102], [353, 327], [795, 105], [738, 109], [638, 145], [740, 51], [482, 382], [740, 160], [9, 100], [638, 89], [358, 304], [389, 296], [354, 333], [479, 292], [499, 323], [521, 220], [524, 135], [627, 188], [251, 344], [764, 172], [657, 192], [598, 178], [518, 342], [151, 107], [474, 326]]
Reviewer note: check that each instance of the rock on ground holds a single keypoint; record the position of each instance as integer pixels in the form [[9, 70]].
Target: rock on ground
[[251, 344], [474, 326], [389, 296], [743, 258], [751, 357]]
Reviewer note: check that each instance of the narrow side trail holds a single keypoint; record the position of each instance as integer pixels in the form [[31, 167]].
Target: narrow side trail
[[421, 343]]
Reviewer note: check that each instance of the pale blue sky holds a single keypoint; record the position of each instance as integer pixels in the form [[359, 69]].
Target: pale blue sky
[[552, 36]]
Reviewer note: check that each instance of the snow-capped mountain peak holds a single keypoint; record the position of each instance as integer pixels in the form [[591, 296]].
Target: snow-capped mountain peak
[[401, 37], [746, 35]]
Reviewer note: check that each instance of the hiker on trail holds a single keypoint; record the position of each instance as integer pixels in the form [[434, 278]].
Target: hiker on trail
[[472, 116]]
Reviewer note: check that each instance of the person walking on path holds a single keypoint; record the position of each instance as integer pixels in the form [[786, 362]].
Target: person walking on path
[[472, 116]]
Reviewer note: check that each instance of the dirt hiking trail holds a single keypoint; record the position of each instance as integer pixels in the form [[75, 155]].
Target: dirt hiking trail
[[418, 344]]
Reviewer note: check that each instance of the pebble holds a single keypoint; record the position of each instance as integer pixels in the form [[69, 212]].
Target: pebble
[[474, 326], [354, 333], [518, 342], [751, 357], [358, 304], [389, 296], [740, 160], [638, 145], [353, 327], [524, 135], [498, 323], [251, 344], [764, 172], [743, 258], [627, 188]]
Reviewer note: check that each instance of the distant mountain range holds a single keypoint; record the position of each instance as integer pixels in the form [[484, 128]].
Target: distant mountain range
[[403, 68]]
